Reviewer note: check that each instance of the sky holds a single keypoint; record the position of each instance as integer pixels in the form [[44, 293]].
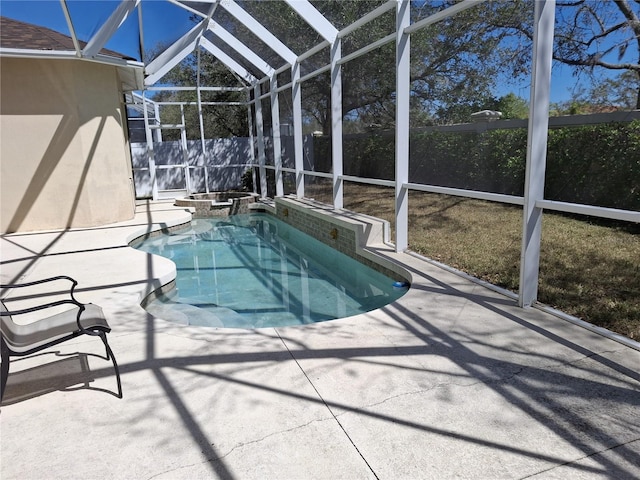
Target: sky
[[165, 22], [162, 21]]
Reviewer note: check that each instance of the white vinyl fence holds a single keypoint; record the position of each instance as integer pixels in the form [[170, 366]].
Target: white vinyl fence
[[220, 168]]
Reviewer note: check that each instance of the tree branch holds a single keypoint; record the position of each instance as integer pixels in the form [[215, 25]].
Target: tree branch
[[596, 62], [572, 4], [629, 14]]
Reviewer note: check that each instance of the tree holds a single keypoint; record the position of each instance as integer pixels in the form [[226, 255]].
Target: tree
[[453, 62], [459, 60], [592, 35], [617, 92], [605, 95], [512, 106], [600, 34]]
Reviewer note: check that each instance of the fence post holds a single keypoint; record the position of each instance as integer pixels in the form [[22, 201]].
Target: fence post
[[544, 17]]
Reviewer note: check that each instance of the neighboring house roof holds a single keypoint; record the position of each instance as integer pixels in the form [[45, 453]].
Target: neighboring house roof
[[21, 35]]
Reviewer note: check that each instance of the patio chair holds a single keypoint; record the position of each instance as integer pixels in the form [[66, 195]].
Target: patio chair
[[28, 338]]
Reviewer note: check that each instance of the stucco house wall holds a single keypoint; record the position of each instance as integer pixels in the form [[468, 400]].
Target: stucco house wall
[[64, 154]]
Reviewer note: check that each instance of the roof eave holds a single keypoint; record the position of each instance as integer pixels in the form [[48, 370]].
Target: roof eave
[[131, 71]]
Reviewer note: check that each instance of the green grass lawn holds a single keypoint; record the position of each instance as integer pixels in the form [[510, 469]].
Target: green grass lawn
[[588, 268]]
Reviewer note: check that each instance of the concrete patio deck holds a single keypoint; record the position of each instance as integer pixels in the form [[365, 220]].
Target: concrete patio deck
[[452, 381]]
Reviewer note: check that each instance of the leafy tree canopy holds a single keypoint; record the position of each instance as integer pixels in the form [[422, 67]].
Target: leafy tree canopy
[[455, 63], [592, 36]]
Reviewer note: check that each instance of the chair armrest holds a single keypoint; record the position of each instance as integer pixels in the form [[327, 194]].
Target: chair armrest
[[71, 301], [38, 282]]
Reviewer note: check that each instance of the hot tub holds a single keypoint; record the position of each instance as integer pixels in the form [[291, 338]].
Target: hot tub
[[218, 204]]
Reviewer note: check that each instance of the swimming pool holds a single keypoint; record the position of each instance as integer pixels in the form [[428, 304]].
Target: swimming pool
[[253, 271]]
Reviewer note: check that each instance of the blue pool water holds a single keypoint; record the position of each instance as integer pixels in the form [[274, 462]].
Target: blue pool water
[[252, 271]]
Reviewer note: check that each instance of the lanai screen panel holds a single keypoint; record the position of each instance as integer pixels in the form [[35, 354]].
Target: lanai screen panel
[[163, 24], [316, 118], [461, 66], [593, 158], [247, 37], [370, 111], [286, 128], [237, 57], [373, 31], [343, 14], [281, 20], [88, 17], [319, 189]]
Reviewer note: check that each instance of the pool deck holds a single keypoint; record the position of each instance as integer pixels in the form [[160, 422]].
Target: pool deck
[[452, 381]]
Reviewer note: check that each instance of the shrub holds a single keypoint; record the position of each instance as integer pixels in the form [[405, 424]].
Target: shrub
[[591, 164]]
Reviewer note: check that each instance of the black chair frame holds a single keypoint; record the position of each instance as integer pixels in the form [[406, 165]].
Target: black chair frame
[[98, 328]]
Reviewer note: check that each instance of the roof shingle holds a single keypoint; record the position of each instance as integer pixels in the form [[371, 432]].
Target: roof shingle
[[21, 35]]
